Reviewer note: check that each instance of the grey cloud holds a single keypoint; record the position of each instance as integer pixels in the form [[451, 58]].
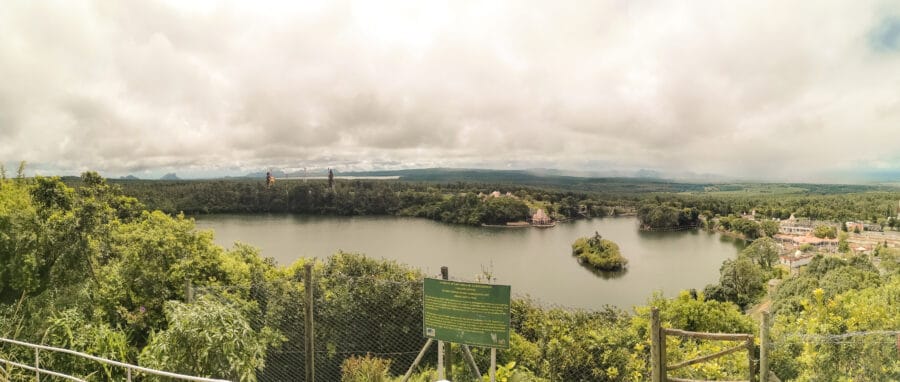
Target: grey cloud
[[752, 87]]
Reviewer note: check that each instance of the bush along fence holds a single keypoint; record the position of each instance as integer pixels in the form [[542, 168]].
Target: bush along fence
[[351, 318]]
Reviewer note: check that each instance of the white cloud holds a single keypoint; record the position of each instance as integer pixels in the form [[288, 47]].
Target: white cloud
[[777, 90]]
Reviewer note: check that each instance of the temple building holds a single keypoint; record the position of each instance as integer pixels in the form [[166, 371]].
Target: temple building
[[540, 218]]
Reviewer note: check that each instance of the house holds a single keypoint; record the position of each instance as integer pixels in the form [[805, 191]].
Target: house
[[864, 250], [855, 226], [795, 261], [872, 227], [751, 216], [808, 239], [794, 230]]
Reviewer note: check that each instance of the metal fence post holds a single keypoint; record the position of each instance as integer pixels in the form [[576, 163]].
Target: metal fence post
[[493, 371], [309, 325], [37, 365], [764, 348], [750, 368], [448, 347]]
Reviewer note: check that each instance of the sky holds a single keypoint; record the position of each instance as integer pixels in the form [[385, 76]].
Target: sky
[[771, 90]]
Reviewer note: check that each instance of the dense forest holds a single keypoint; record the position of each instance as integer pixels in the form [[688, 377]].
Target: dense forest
[[460, 203], [95, 261]]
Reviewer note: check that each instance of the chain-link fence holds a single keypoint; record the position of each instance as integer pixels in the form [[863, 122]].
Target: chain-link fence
[[353, 317], [856, 356], [371, 322]]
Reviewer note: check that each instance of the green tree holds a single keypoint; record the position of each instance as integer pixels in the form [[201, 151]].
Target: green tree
[[150, 261], [843, 245], [829, 354], [825, 231], [763, 251], [20, 172], [208, 339], [741, 281], [599, 253], [70, 329], [769, 227], [693, 312]]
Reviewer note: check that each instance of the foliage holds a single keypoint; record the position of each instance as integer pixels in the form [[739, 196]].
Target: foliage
[[825, 231], [764, 252], [356, 291], [509, 373], [831, 275], [574, 345], [769, 227], [459, 203], [84, 265], [69, 329], [693, 312], [890, 259], [741, 281], [599, 253], [662, 216], [365, 369], [210, 339], [827, 339], [843, 245]]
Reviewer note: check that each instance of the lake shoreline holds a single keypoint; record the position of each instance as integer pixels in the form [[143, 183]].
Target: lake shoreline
[[536, 262]]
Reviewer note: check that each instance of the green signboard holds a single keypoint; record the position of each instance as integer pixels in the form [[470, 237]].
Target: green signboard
[[467, 313]]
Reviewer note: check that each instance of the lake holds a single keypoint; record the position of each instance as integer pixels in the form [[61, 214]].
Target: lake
[[537, 262]]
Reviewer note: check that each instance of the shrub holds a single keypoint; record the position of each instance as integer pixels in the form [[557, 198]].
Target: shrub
[[365, 369]]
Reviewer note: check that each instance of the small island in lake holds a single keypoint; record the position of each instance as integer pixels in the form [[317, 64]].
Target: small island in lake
[[599, 253]]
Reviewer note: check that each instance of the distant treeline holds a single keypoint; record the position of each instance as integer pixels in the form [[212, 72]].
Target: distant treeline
[[671, 210], [458, 202]]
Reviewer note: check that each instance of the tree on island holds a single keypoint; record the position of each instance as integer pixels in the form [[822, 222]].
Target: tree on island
[[600, 253]]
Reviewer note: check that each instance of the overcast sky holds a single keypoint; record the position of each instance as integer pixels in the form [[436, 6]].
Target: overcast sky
[[780, 90]]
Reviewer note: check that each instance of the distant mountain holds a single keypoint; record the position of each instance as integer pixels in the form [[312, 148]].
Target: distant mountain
[[262, 174], [541, 178], [131, 177], [170, 176]]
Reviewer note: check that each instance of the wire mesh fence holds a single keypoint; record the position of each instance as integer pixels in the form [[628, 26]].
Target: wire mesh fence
[[367, 316], [367, 321], [857, 356]]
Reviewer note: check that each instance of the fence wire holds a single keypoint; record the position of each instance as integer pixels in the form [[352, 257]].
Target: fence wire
[[381, 318], [853, 356], [354, 316]]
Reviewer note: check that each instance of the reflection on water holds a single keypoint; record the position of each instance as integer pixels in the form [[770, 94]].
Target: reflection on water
[[537, 262], [606, 275]]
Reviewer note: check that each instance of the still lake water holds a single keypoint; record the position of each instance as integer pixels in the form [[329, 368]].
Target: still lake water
[[536, 262]]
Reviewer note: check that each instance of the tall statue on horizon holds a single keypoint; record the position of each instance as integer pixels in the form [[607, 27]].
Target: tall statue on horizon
[[270, 179], [330, 179]]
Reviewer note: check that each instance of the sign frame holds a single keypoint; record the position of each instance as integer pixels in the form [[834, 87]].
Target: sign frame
[[473, 314]]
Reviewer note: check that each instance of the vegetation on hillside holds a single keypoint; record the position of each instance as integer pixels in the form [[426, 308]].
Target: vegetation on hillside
[[91, 269]]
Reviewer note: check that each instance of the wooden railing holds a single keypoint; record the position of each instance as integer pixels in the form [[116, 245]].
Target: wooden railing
[[660, 368]]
